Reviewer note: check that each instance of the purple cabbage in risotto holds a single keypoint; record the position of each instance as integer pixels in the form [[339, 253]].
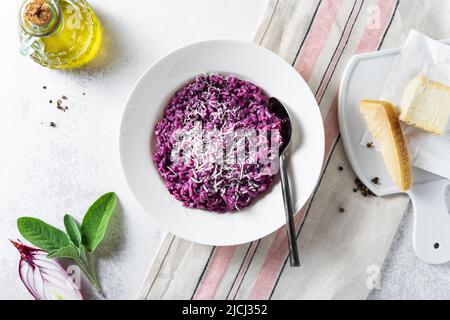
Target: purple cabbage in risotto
[[214, 141]]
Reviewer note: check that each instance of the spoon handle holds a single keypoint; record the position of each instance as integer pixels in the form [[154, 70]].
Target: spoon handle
[[289, 211]]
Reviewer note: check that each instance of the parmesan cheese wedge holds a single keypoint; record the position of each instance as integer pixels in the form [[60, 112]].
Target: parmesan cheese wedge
[[384, 126], [426, 105]]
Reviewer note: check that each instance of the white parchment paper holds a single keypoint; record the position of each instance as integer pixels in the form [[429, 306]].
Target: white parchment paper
[[423, 56]]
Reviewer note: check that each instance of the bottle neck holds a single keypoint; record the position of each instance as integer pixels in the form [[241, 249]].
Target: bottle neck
[[39, 18]]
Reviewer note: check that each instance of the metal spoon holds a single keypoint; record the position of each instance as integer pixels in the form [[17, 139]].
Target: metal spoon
[[280, 111]]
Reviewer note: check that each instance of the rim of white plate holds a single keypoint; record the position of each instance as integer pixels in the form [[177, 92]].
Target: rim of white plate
[[227, 229]]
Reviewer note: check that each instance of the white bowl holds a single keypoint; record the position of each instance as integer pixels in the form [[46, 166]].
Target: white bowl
[[144, 108]]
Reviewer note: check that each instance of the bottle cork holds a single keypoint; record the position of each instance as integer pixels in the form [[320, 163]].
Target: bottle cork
[[38, 12]]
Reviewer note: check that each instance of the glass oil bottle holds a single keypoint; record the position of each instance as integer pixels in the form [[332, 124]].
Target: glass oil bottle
[[59, 34]]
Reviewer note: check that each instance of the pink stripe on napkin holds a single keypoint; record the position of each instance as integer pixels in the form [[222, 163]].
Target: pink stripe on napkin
[[317, 37], [242, 271], [340, 48], [214, 274]]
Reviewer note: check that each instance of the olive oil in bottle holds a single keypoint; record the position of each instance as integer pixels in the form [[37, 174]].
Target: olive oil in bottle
[[59, 34]]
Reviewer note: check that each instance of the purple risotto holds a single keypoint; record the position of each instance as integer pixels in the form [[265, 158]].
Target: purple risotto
[[217, 144]]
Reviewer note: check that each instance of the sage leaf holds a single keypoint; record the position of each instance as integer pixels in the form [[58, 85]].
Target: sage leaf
[[73, 230], [96, 220], [66, 252], [41, 234]]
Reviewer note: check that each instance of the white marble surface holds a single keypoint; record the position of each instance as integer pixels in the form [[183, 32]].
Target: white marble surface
[[47, 172], [404, 276]]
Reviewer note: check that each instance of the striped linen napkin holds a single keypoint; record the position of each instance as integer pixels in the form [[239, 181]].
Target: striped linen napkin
[[339, 250]]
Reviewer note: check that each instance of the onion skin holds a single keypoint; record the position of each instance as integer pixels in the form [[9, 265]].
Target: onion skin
[[44, 278]]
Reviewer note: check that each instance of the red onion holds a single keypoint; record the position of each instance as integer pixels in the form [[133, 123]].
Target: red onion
[[44, 278]]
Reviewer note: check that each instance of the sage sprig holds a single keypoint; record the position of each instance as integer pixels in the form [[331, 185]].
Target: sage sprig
[[77, 242]]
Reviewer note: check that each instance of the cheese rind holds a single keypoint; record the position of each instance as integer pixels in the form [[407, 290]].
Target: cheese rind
[[383, 124], [426, 105]]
